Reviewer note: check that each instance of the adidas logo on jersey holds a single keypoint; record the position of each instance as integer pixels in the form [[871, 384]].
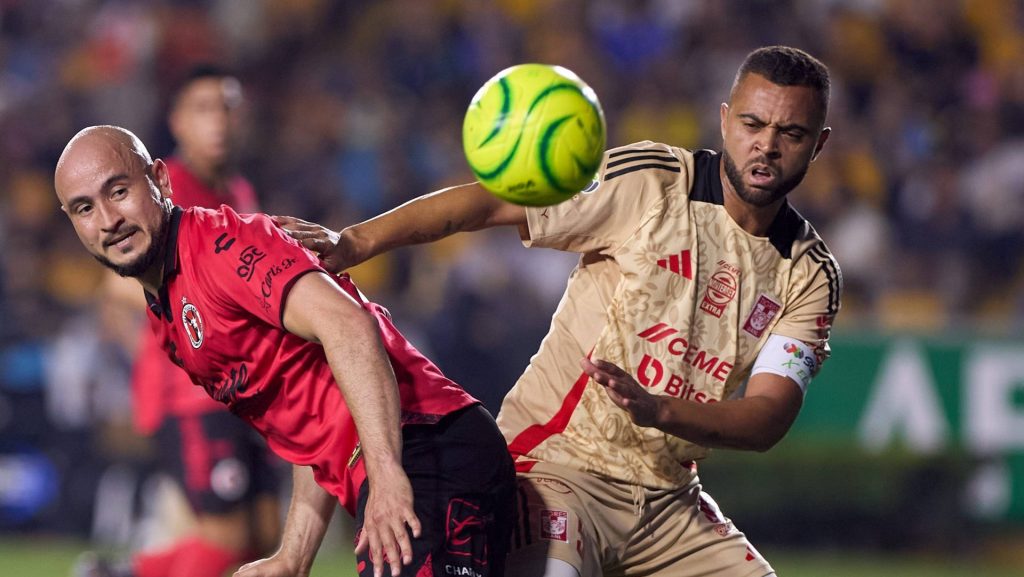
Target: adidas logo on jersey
[[679, 264]]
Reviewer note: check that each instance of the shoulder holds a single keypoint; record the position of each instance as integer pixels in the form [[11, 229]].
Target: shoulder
[[679, 170], [206, 231], [226, 216], [804, 240], [642, 169], [225, 224], [651, 158], [204, 218], [813, 258]]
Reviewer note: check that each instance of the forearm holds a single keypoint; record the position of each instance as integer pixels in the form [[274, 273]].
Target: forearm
[[431, 217], [319, 311], [750, 424], [361, 368], [755, 423], [309, 515]]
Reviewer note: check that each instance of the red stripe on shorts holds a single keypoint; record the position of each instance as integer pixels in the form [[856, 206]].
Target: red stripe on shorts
[[196, 457]]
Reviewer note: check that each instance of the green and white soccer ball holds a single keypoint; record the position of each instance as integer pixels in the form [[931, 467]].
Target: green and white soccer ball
[[534, 134]]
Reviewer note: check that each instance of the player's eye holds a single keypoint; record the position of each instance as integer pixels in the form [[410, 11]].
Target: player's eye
[[119, 193], [83, 209]]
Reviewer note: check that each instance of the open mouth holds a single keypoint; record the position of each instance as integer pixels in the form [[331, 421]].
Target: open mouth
[[761, 175], [121, 240]]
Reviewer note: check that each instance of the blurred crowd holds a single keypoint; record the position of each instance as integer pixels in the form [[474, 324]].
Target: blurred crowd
[[355, 107]]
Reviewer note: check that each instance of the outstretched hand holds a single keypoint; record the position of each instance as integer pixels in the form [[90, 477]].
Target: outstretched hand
[[624, 391], [326, 243], [387, 521]]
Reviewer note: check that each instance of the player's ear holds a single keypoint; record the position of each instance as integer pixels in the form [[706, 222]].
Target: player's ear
[[822, 138], [161, 177], [723, 112]]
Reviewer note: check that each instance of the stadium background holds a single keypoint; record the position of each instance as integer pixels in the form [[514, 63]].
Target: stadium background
[[909, 455]]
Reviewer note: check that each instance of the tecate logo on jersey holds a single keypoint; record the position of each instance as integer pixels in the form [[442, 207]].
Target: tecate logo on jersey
[[721, 289]]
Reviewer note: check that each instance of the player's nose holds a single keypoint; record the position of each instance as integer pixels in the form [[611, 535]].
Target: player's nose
[[110, 218]]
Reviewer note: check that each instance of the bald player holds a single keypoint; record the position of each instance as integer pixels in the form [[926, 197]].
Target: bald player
[[221, 465], [698, 314], [304, 358]]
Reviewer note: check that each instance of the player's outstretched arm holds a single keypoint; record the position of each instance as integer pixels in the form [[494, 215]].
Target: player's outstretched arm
[[428, 218], [755, 422], [317, 310], [309, 515]]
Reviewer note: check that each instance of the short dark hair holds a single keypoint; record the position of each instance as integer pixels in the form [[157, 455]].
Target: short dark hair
[[787, 66], [199, 71]]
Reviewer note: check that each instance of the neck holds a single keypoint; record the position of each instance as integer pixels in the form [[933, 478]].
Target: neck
[[756, 220], [152, 279]]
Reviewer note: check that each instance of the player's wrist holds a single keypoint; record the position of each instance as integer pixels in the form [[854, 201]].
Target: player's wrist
[[356, 245], [291, 557], [663, 413], [384, 466]]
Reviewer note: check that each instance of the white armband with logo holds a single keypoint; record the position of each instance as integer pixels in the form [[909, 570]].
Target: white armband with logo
[[787, 357]]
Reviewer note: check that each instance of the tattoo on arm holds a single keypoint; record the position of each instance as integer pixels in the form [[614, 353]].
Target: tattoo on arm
[[450, 227]]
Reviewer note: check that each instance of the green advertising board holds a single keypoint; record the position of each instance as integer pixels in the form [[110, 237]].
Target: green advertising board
[[928, 396]]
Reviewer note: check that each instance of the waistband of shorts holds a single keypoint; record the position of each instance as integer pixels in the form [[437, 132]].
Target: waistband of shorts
[[415, 430]]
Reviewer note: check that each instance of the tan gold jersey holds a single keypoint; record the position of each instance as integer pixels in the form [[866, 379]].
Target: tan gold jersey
[[672, 290]]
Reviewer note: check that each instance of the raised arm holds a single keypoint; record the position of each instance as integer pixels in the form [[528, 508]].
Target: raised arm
[[428, 218], [317, 310]]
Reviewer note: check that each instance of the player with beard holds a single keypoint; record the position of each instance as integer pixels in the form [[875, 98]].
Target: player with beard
[[306, 360], [221, 465], [698, 314]]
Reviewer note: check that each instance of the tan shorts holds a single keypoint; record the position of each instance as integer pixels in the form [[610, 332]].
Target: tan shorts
[[607, 528]]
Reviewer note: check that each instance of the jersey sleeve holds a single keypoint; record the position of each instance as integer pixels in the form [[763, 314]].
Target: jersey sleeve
[[612, 208], [810, 314], [254, 264]]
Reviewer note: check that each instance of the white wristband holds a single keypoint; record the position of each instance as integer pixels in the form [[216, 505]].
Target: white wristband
[[787, 357]]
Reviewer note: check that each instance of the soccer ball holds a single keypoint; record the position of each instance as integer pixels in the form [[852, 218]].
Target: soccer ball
[[534, 134]]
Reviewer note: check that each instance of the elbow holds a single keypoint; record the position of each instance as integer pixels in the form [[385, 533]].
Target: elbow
[[361, 322], [766, 441], [345, 323], [764, 445]]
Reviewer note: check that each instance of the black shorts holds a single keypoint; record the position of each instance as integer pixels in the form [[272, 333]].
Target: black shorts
[[217, 459], [463, 484]]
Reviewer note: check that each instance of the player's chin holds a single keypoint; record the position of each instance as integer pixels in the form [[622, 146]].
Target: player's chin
[[128, 267], [761, 196]]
